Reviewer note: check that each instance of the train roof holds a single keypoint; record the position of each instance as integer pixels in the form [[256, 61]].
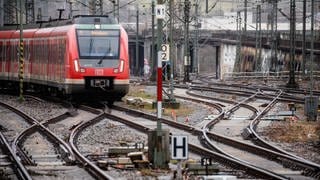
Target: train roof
[[80, 19]]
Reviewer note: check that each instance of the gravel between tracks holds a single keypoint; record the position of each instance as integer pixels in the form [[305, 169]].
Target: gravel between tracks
[[45, 110]]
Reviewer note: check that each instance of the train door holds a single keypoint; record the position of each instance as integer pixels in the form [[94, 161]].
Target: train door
[[53, 60], [61, 49], [46, 60], [26, 56], [37, 59], [7, 59], [50, 62], [43, 60]]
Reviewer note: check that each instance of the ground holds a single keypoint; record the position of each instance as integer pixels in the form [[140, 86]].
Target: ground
[[298, 137], [294, 135], [294, 131]]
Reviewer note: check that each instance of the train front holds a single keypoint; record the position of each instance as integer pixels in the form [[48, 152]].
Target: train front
[[100, 62]]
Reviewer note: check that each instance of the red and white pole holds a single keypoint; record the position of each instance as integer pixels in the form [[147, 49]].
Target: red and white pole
[[159, 90]]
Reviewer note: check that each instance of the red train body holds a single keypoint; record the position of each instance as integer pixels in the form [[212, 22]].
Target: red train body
[[88, 57]]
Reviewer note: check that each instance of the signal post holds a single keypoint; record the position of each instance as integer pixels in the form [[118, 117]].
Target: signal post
[[158, 139]]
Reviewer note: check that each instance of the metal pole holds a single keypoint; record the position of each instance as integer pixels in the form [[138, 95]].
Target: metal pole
[[137, 43], [186, 41], [257, 36], [273, 38], [311, 48], [29, 7], [237, 67], [114, 9], [118, 10], [260, 39], [196, 49], [159, 70], [92, 7], [160, 150], [21, 57], [153, 61], [101, 7], [304, 36], [171, 3], [207, 6], [245, 16], [292, 83], [71, 11]]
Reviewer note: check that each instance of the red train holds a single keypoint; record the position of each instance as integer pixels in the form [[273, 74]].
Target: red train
[[86, 57]]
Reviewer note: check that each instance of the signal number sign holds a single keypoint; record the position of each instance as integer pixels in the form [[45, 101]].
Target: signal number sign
[[165, 52]]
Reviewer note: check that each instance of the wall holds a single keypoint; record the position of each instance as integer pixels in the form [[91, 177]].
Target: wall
[[228, 56]]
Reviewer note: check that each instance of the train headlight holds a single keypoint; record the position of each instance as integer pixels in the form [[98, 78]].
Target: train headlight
[[97, 26], [76, 65], [120, 67]]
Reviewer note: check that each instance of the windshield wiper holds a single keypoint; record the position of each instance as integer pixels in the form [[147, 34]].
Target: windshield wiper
[[101, 59]]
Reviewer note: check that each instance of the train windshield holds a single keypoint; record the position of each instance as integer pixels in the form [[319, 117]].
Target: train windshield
[[103, 44]]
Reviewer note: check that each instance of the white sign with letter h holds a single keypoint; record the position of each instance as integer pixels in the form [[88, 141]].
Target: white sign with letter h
[[179, 147]]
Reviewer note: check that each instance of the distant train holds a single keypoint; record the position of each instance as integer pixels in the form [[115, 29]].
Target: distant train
[[86, 57]]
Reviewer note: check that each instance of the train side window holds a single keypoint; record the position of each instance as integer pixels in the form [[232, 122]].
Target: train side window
[[53, 51], [6, 53], [26, 50], [63, 49], [1, 50], [41, 51], [7, 50], [37, 51], [45, 50], [14, 51]]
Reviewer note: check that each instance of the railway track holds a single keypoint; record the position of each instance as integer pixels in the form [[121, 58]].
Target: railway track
[[11, 167], [310, 168], [287, 92], [40, 154], [93, 168], [250, 131], [39, 129], [254, 171], [195, 147]]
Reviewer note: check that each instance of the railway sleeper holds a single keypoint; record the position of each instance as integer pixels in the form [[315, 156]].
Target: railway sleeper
[[297, 166], [65, 155], [246, 134], [313, 174], [290, 164]]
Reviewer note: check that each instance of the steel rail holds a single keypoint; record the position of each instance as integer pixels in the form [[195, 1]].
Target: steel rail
[[253, 109], [95, 170], [206, 141], [311, 168], [285, 98], [261, 141], [263, 88], [223, 139], [36, 124], [20, 169], [199, 150]]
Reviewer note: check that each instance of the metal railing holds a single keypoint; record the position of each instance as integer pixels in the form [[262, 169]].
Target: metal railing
[[268, 75]]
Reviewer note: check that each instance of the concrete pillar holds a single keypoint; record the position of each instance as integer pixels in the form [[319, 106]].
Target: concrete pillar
[[158, 148], [311, 107]]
